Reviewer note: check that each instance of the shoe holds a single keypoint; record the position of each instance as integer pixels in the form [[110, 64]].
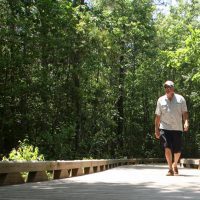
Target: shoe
[[175, 171], [170, 173]]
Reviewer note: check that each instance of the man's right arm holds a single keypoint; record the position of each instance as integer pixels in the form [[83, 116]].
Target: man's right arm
[[157, 125]]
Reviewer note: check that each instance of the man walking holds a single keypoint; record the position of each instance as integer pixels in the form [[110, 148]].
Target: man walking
[[170, 121]]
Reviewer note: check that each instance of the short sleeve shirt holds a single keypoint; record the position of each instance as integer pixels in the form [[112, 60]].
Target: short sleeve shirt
[[171, 112]]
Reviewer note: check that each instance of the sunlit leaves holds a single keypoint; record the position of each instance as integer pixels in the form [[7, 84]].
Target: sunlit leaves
[[64, 68]]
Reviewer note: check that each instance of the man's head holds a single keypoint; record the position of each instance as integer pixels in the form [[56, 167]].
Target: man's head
[[169, 89], [169, 84]]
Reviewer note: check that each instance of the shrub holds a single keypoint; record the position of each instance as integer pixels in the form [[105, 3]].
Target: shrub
[[24, 152]]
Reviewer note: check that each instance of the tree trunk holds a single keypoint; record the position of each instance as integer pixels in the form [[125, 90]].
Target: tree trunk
[[120, 107]]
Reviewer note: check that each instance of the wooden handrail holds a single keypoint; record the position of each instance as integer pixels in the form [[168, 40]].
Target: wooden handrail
[[190, 162], [11, 171]]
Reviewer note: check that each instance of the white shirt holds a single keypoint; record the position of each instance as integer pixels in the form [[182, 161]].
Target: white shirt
[[171, 112]]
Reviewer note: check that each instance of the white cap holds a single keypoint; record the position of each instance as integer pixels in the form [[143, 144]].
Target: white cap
[[169, 83]]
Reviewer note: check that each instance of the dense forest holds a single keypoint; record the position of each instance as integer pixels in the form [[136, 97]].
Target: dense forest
[[80, 79]]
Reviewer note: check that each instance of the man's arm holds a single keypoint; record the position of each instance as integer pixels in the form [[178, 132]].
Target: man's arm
[[157, 125], [185, 121]]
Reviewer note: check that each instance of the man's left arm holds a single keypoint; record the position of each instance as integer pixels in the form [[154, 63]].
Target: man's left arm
[[185, 121]]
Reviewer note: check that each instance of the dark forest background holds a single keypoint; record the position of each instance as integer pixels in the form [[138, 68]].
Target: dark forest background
[[81, 79]]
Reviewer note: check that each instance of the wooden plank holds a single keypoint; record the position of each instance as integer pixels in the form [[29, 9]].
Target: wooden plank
[[26, 166], [190, 163], [8, 167]]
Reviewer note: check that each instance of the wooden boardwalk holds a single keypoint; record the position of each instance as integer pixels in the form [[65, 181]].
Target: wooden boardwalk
[[128, 182]]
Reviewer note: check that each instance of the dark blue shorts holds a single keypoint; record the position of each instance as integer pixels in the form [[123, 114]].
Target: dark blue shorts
[[171, 139]]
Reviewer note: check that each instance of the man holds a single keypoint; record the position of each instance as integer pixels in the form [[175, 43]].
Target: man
[[170, 121]]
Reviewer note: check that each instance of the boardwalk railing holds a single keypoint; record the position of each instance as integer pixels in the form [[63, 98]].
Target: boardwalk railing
[[11, 172], [190, 163]]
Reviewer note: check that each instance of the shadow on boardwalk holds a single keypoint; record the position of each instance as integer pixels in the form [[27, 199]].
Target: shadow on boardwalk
[[125, 182]]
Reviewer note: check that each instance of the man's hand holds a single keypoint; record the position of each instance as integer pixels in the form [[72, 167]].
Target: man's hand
[[157, 134], [186, 126], [186, 122]]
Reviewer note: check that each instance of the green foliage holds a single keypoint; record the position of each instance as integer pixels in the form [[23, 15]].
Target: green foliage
[[24, 152], [82, 81]]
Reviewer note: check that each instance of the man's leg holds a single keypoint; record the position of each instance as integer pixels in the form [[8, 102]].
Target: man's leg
[[165, 138], [168, 155], [177, 137], [176, 159]]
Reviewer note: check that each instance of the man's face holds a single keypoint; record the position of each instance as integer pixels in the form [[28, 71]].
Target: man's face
[[169, 89]]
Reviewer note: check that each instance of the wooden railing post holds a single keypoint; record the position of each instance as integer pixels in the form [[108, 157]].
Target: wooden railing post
[[59, 174], [37, 176], [11, 178]]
